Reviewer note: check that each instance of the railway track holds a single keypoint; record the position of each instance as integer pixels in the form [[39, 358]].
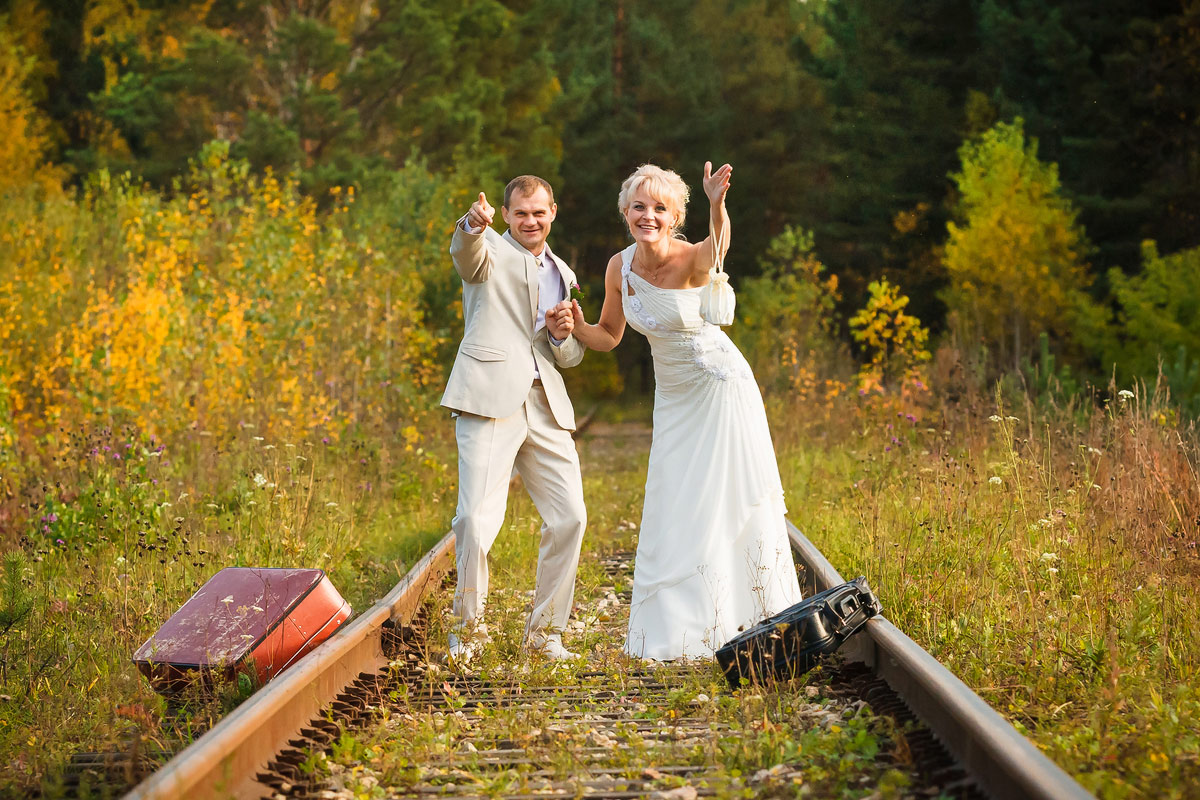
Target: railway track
[[585, 733]]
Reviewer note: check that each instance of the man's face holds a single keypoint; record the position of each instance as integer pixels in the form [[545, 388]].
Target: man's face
[[528, 217]]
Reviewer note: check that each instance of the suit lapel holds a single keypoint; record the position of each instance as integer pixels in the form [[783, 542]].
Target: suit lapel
[[531, 275], [568, 277]]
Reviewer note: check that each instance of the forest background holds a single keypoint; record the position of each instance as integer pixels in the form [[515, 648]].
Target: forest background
[[859, 121], [223, 267]]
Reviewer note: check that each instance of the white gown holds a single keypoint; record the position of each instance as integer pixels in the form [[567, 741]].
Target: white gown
[[713, 552]]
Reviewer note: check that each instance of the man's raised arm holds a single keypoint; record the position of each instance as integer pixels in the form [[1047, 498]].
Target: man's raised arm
[[468, 249]]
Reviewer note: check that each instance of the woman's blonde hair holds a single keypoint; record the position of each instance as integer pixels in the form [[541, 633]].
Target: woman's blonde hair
[[661, 184]]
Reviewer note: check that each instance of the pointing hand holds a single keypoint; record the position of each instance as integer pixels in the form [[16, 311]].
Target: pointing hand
[[481, 213]]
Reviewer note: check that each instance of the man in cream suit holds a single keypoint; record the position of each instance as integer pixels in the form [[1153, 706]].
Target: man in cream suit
[[512, 409]]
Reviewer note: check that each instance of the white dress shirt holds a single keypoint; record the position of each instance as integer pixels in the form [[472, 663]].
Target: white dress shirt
[[550, 290]]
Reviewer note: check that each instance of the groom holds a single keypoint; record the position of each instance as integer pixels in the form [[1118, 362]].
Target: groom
[[512, 409]]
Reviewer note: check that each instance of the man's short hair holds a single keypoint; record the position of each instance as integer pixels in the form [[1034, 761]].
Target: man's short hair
[[526, 185]]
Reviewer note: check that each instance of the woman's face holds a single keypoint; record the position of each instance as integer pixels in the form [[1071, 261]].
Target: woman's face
[[650, 220]]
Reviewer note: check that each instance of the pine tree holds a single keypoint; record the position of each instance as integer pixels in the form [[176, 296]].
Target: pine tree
[[1102, 88], [896, 77], [343, 88]]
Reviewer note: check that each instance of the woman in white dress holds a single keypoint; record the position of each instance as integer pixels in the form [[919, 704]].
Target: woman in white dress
[[713, 552]]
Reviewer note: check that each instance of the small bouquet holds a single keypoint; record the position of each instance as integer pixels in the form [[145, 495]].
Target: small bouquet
[[575, 292]]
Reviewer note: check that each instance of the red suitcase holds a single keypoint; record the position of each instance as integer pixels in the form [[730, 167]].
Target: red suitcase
[[244, 619]]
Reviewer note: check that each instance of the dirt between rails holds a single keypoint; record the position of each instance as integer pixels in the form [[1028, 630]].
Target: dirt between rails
[[606, 726]]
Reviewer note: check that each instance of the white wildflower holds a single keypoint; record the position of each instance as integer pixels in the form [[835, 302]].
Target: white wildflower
[[1011, 419], [1125, 395], [120, 560], [1053, 570], [260, 480], [258, 438], [331, 504], [1049, 556], [1094, 452], [996, 480], [268, 447], [994, 418]]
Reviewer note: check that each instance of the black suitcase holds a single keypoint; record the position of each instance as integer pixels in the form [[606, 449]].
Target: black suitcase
[[790, 643]]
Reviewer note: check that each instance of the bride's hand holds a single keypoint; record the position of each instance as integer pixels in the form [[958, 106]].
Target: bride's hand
[[560, 321], [716, 184]]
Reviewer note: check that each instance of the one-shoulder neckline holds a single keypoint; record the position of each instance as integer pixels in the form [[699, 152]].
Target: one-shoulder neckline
[[627, 259]]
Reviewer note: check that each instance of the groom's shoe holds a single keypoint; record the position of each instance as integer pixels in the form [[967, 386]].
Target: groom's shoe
[[550, 646], [462, 646], [460, 651]]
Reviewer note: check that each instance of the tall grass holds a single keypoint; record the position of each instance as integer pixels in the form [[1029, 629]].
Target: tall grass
[[1047, 555]]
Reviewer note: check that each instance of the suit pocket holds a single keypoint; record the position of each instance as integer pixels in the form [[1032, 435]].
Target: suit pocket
[[481, 353]]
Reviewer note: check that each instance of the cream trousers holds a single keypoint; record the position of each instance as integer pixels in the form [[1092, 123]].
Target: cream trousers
[[545, 457]]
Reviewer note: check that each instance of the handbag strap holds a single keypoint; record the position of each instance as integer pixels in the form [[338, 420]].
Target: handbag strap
[[717, 245]]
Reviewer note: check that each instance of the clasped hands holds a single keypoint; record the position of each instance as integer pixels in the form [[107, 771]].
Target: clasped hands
[[560, 320]]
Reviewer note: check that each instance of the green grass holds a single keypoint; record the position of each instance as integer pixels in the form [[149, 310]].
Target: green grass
[[1065, 591], [782, 740], [1048, 560], [115, 546]]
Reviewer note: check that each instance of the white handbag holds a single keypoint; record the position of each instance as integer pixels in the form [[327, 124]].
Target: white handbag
[[716, 298]]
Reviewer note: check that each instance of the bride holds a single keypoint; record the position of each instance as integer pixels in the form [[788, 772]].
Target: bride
[[713, 552]]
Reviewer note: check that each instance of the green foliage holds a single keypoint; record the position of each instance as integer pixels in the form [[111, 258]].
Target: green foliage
[[1016, 255], [786, 319], [1159, 316], [16, 601], [1103, 87], [895, 77], [678, 83], [1049, 381], [340, 90]]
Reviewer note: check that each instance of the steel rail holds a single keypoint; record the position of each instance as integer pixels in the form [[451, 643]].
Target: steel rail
[[225, 761], [1004, 763]]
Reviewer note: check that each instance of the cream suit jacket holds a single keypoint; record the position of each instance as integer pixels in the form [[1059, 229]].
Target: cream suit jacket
[[493, 370]]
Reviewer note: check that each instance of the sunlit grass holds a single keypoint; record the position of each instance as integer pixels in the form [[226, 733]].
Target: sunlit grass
[[780, 740], [117, 545], [1047, 557]]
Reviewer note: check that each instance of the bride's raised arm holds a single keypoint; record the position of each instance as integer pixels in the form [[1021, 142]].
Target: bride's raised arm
[[716, 186], [607, 332]]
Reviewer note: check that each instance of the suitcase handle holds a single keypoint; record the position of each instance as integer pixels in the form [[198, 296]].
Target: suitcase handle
[[847, 606]]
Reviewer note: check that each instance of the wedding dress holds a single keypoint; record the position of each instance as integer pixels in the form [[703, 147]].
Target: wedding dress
[[713, 552]]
